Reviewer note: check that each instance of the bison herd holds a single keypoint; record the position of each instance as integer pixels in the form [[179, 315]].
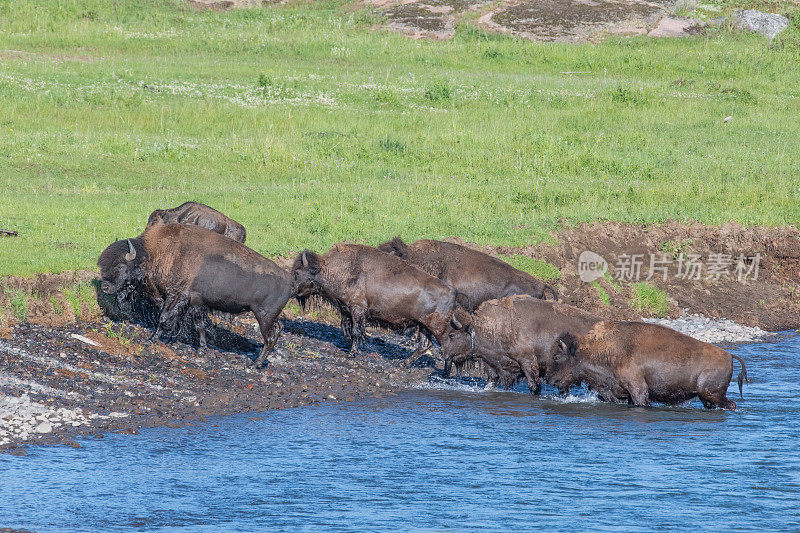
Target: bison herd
[[192, 259]]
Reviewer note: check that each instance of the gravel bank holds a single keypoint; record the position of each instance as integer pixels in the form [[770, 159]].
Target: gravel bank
[[55, 386], [714, 330]]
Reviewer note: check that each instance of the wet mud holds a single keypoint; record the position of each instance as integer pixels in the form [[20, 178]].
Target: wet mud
[[86, 379]]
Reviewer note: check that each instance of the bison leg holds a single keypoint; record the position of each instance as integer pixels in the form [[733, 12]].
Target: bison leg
[[492, 379], [358, 322], [718, 399], [170, 313], [270, 329], [531, 371], [347, 328], [639, 395], [423, 340]]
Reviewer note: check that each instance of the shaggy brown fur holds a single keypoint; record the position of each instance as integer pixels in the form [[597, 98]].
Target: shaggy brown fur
[[641, 362], [368, 286], [478, 275], [188, 270]]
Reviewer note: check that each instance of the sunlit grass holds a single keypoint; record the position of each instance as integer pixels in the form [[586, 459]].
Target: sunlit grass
[[309, 127]]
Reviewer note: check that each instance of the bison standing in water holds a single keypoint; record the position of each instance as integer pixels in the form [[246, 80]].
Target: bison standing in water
[[478, 275], [641, 362], [197, 214], [189, 270], [368, 286], [514, 337]]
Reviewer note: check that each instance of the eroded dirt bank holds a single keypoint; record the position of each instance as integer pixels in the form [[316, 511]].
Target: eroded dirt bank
[[67, 371], [709, 285]]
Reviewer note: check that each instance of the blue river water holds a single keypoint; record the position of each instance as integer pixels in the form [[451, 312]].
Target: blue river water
[[439, 459]]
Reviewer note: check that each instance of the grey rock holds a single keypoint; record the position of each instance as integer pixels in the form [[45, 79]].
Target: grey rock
[[44, 427], [767, 24]]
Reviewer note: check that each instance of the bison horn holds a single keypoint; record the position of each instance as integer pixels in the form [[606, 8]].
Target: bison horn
[[454, 321], [304, 259], [563, 346], [130, 256]]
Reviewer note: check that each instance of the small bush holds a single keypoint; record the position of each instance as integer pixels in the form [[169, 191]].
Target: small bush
[[647, 297], [492, 53], [625, 94], [19, 305], [438, 92]]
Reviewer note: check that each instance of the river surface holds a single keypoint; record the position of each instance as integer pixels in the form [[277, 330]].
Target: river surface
[[439, 459]]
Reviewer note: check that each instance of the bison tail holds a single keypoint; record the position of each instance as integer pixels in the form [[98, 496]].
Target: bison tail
[[552, 292], [742, 375]]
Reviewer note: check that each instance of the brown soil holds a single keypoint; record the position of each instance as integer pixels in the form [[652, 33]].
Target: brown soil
[[771, 302]]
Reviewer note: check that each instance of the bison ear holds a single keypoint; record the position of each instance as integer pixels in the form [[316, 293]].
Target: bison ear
[[131, 255]]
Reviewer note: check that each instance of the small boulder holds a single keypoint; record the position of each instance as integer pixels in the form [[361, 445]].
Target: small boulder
[[44, 427], [767, 24]]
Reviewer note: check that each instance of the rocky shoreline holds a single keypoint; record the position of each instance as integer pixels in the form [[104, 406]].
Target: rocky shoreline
[[58, 384], [56, 387]]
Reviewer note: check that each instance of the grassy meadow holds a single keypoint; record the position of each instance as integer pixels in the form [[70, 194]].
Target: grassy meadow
[[310, 125]]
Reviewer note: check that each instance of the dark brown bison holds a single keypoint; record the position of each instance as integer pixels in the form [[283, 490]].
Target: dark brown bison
[[641, 362], [368, 286], [197, 214], [478, 275], [514, 336], [188, 270]]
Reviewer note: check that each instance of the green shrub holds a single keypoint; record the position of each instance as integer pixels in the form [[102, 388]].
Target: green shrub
[[647, 297], [438, 92]]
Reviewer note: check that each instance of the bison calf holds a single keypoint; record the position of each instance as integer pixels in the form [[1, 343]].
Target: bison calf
[[188, 270], [641, 362], [368, 286], [197, 214]]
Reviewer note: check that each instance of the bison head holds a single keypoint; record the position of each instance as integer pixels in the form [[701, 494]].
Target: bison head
[[563, 372], [305, 271], [395, 247], [458, 342], [121, 268], [157, 217]]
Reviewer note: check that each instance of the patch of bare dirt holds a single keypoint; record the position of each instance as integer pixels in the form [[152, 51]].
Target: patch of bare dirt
[[574, 20], [771, 301], [544, 20]]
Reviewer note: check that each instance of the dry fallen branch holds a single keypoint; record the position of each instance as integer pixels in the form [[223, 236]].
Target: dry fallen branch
[[8, 232]]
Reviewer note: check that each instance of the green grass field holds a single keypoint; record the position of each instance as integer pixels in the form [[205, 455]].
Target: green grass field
[[310, 126]]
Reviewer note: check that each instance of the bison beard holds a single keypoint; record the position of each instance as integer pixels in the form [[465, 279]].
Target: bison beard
[[187, 271]]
